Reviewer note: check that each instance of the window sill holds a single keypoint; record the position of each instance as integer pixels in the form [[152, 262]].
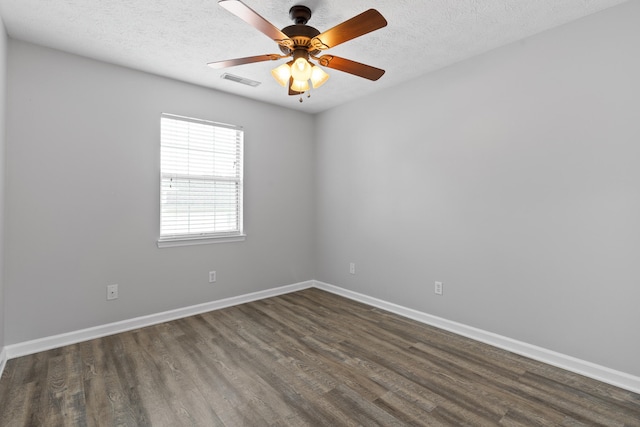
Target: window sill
[[190, 241]]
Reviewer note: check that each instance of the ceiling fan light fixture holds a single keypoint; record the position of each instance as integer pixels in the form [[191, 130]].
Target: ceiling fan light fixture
[[282, 74], [301, 69], [300, 85], [318, 76]]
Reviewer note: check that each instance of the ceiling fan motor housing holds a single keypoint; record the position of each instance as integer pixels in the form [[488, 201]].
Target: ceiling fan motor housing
[[300, 33]]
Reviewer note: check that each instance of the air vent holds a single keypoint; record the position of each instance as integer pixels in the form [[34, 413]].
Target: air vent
[[239, 79]]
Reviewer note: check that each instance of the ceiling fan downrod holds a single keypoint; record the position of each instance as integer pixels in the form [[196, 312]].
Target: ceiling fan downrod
[[300, 14]]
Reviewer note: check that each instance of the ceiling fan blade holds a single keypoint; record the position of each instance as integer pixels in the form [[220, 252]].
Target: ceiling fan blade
[[251, 17], [351, 67], [357, 26], [247, 60]]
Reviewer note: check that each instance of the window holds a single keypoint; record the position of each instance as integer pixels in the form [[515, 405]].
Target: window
[[201, 181]]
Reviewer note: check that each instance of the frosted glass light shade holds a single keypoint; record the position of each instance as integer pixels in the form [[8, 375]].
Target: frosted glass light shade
[[318, 77], [282, 74], [301, 70], [300, 86]]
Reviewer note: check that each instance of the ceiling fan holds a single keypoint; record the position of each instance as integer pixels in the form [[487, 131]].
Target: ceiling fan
[[302, 42]]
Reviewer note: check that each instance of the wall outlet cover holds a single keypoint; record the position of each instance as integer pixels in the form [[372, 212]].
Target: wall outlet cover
[[112, 292], [438, 288]]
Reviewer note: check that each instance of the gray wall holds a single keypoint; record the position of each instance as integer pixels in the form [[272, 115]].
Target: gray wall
[[3, 96], [513, 178], [83, 194]]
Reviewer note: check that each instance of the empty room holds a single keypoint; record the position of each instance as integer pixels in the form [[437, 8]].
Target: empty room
[[319, 213]]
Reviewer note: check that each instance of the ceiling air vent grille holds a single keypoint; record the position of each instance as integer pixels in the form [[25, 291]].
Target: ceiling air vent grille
[[239, 79]]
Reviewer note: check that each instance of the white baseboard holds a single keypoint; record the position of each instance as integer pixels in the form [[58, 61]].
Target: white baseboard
[[582, 367], [47, 343], [3, 360]]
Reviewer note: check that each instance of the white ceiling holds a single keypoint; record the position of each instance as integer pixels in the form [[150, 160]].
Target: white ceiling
[[177, 38]]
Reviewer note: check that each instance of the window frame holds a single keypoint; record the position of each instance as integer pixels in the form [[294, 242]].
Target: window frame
[[200, 238]]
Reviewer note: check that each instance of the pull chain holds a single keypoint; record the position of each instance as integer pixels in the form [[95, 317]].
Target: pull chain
[[308, 95]]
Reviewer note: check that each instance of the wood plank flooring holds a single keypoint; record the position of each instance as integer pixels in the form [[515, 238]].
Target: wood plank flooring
[[308, 358]]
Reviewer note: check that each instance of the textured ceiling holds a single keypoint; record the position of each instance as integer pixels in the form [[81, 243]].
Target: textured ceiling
[[177, 38]]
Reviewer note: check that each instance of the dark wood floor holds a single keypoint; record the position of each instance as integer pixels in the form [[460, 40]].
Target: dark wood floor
[[307, 358]]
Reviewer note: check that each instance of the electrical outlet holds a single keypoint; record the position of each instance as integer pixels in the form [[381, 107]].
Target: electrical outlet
[[112, 292], [352, 268], [438, 288], [212, 276]]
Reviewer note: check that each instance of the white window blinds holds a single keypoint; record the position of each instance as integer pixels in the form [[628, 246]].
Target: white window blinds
[[201, 179]]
